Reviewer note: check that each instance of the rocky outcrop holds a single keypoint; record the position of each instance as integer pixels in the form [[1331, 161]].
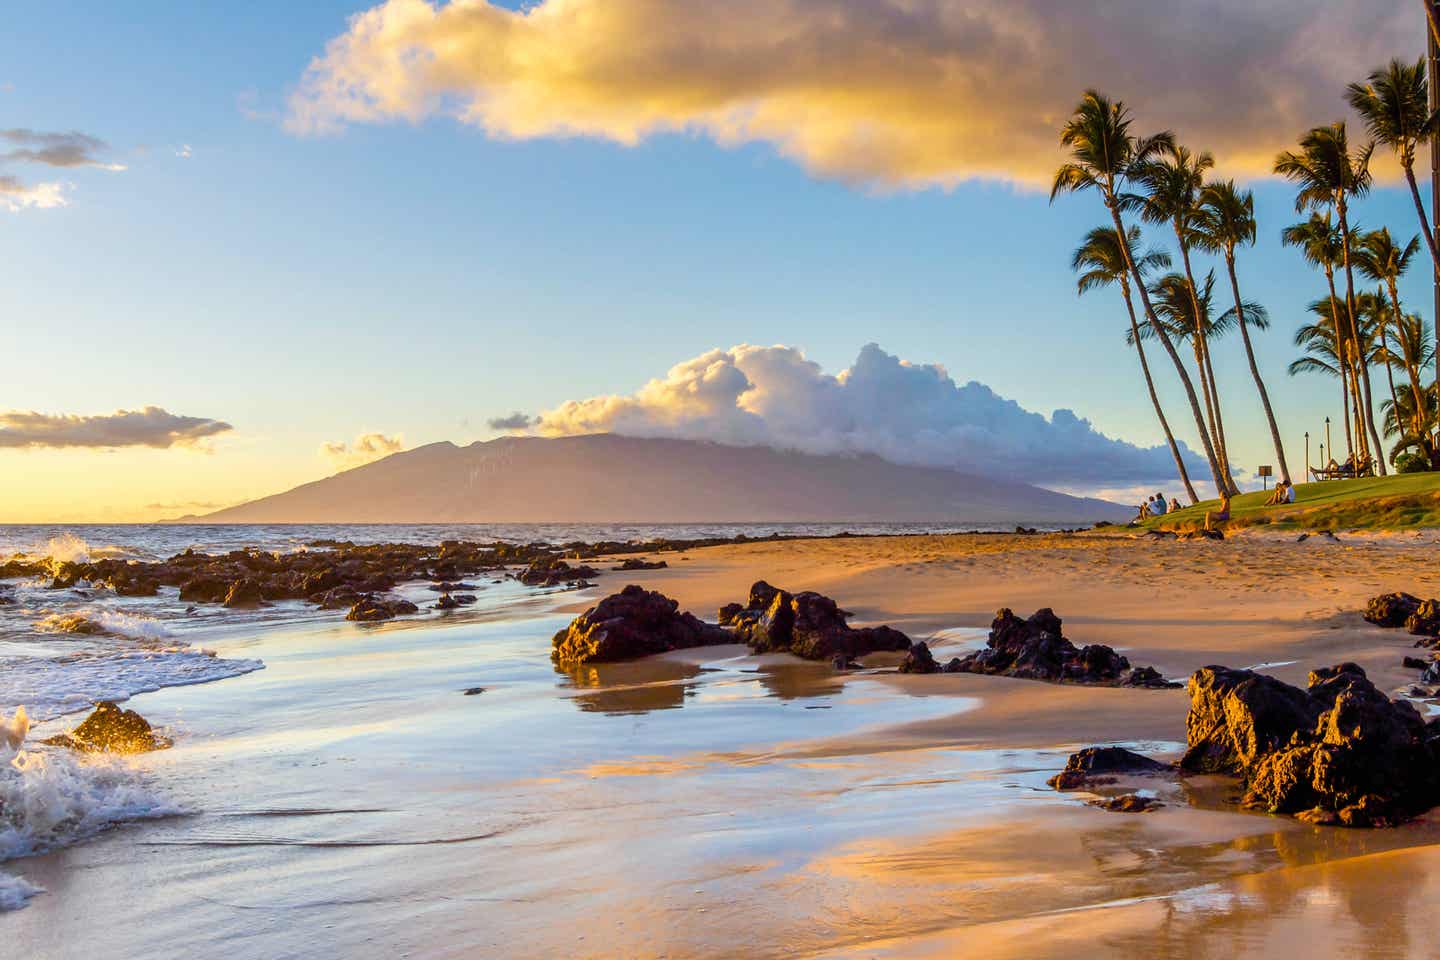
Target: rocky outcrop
[[1127, 803], [807, 624], [244, 593], [1035, 649], [635, 563], [632, 623], [552, 572], [919, 660], [1095, 766], [370, 609], [111, 730], [1391, 609], [1338, 752], [1425, 621]]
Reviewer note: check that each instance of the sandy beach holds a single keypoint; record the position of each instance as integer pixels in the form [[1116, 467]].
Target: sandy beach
[[350, 801]]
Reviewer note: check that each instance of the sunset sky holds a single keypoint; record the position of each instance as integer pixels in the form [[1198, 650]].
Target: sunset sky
[[307, 240]]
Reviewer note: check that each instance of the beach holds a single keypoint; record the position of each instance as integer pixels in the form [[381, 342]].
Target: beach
[[435, 788]]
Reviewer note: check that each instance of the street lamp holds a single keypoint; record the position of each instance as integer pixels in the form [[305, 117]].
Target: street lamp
[[1327, 442], [1307, 455]]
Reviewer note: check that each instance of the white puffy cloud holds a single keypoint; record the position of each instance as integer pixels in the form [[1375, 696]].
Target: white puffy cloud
[[16, 195], [364, 449], [893, 92], [147, 427], [903, 412]]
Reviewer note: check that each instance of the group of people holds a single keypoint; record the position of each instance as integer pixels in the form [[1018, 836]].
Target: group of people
[[1157, 506], [1284, 493]]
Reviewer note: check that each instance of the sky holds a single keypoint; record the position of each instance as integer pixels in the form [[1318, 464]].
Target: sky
[[287, 238]]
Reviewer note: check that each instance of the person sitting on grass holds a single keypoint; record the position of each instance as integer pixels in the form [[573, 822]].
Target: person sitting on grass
[[1144, 512], [1157, 505], [1213, 517], [1283, 493], [1174, 505]]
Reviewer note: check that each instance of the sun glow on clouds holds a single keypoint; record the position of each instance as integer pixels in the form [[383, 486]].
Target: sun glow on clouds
[[366, 448], [907, 413], [895, 93]]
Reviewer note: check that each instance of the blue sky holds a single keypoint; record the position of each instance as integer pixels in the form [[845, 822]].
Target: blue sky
[[419, 279]]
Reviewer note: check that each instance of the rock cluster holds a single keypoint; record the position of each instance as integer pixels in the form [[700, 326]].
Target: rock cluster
[[1338, 752], [1035, 649], [371, 608], [807, 624], [638, 563], [111, 730], [632, 623], [1095, 766], [552, 572], [1419, 617]]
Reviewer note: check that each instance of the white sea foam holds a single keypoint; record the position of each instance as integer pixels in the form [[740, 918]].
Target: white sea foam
[[53, 687], [54, 798], [95, 620]]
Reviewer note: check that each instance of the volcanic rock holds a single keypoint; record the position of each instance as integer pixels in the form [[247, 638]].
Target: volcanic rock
[[111, 730], [632, 623], [369, 609], [1035, 649], [1391, 609], [807, 624], [1098, 765]]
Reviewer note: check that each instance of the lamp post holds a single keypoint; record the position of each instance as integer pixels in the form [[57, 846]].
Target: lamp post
[[1327, 442], [1323, 461], [1307, 454]]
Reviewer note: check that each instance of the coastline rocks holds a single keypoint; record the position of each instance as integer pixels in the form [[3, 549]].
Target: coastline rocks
[[1128, 803], [111, 730], [632, 623], [641, 564], [244, 593], [808, 624], [1425, 621], [1391, 609], [370, 609], [1094, 766], [1035, 649], [919, 660], [552, 572], [204, 589], [1338, 752]]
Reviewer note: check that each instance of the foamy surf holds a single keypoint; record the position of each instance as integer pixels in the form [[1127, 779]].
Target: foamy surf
[[95, 621], [53, 798]]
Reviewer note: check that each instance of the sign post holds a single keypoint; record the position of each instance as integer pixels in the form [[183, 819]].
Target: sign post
[[1266, 472]]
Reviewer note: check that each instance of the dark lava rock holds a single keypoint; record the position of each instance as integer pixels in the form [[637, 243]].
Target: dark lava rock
[[1425, 621], [445, 587], [808, 624], [919, 660], [842, 662], [632, 623], [1035, 649], [204, 589], [1432, 672], [1415, 663], [1128, 803], [1391, 609], [336, 598], [369, 609], [111, 730], [244, 593], [638, 564], [473, 691], [1340, 751], [446, 602], [1100, 764], [551, 572]]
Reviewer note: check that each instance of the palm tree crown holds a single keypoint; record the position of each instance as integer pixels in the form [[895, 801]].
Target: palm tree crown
[[1394, 102], [1324, 168]]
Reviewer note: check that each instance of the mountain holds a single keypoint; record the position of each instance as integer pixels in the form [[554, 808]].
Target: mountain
[[604, 477]]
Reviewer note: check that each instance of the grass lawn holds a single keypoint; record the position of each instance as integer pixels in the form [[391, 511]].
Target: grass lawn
[[1403, 502]]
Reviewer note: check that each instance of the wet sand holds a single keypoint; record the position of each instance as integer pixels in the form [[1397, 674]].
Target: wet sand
[[351, 801]]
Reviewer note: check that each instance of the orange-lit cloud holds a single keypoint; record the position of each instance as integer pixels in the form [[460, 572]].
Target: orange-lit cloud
[[895, 93], [149, 427], [366, 448]]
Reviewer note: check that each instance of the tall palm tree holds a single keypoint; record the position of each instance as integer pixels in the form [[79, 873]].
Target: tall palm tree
[[1227, 221], [1170, 185], [1412, 414], [1103, 152], [1103, 262], [1327, 347], [1176, 304], [1381, 259], [1394, 102], [1319, 243], [1328, 175]]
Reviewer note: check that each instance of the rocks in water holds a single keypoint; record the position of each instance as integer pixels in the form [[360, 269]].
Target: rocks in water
[[807, 624], [244, 593], [1099, 765], [204, 589], [1035, 649], [450, 601], [336, 598], [632, 623], [641, 564], [473, 691], [552, 572], [1340, 751], [370, 609], [1391, 609], [446, 587], [1127, 803], [1431, 673], [919, 660], [1425, 621], [1414, 663], [111, 730]]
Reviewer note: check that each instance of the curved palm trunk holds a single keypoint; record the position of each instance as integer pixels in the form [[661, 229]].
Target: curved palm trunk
[[1342, 360], [1255, 370], [1164, 338], [1418, 420], [1361, 360], [1202, 361], [1425, 224], [1155, 399]]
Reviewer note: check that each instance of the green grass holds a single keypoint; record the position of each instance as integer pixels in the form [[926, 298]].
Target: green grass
[[1403, 502]]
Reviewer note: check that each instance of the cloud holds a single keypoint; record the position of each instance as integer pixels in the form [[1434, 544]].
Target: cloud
[[904, 412], [73, 149], [516, 421], [184, 152], [147, 427], [896, 93], [15, 195], [365, 448]]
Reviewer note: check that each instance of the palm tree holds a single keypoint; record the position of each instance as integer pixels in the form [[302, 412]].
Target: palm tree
[[1394, 102], [1328, 175], [1186, 313], [1171, 184], [1104, 264], [1382, 260], [1319, 242], [1103, 152], [1227, 221], [1412, 413]]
